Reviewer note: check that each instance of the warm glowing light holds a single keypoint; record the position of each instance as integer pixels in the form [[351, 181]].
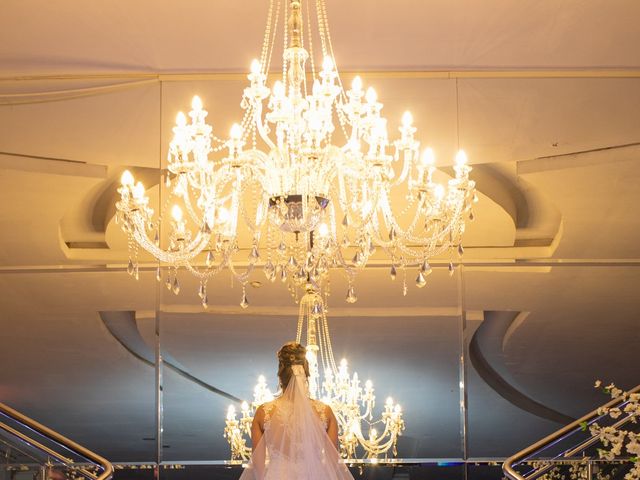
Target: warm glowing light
[[236, 132], [278, 89], [127, 178], [323, 230], [176, 213], [283, 168], [461, 158], [255, 67], [407, 119], [245, 407], [428, 157], [223, 215], [196, 103], [327, 64], [371, 95], [353, 405], [231, 412], [389, 401], [356, 84], [138, 190]]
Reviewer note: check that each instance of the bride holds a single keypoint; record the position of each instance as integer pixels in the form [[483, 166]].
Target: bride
[[294, 437]]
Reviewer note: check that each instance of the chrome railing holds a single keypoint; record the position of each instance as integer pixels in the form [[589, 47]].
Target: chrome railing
[[508, 467], [105, 465]]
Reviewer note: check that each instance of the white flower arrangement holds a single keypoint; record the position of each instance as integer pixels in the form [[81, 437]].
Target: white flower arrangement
[[616, 439]]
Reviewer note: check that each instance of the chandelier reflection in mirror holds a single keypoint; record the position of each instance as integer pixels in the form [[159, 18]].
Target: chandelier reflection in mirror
[[303, 184], [352, 403]]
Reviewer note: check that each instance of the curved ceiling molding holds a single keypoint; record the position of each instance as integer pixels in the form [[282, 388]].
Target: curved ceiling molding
[[512, 217], [84, 228], [487, 357], [123, 327], [537, 220]]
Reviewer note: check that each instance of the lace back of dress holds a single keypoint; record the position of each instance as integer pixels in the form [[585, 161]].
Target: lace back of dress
[[295, 445]]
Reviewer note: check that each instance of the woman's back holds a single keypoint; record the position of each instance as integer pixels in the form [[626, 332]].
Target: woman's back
[[295, 437]]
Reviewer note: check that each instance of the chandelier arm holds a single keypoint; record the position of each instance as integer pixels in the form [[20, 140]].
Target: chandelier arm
[[243, 276], [407, 157], [197, 219], [209, 272], [257, 117], [386, 208], [187, 253], [376, 448], [349, 270], [262, 207]]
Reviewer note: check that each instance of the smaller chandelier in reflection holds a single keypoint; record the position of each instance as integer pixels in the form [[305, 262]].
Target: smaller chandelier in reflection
[[352, 403]]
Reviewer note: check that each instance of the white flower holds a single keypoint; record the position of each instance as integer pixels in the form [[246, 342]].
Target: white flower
[[615, 412], [597, 384], [633, 447]]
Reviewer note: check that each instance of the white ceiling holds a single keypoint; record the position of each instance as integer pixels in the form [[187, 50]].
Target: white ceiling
[[217, 35]]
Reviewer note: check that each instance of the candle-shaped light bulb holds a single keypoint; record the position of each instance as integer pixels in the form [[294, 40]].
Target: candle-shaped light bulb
[[196, 103], [327, 64], [231, 413], [255, 67], [371, 95], [236, 132], [181, 120], [310, 355], [176, 213], [138, 190], [278, 89], [397, 409], [127, 178], [439, 191], [262, 380], [316, 88], [343, 363], [407, 119], [323, 230], [373, 433], [244, 407], [356, 84], [223, 216], [428, 157], [368, 384], [389, 401], [461, 158]]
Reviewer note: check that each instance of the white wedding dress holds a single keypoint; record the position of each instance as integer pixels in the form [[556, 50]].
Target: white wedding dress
[[295, 444]]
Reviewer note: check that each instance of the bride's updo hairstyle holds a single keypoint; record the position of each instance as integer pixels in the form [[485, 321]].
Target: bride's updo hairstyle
[[291, 353]]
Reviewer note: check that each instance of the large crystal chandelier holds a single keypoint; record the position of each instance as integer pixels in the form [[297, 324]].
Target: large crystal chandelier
[[352, 403], [302, 184]]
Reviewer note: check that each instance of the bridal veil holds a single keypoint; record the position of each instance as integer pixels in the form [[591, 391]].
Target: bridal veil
[[295, 445]]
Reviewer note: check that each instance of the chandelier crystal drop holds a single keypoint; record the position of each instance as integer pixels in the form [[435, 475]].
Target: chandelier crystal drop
[[306, 182], [353, 403]]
